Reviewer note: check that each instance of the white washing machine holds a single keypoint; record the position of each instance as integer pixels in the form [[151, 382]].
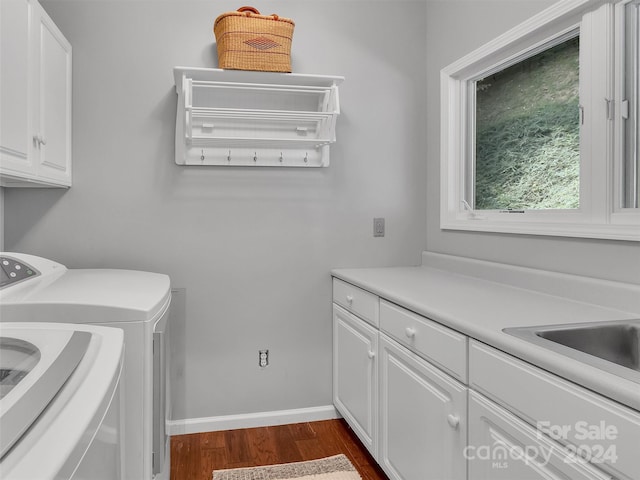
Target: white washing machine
[[34, 289], [60, 401]]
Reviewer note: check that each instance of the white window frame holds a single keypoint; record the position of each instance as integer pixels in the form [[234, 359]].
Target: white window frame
[[599, 215], [620, 214]]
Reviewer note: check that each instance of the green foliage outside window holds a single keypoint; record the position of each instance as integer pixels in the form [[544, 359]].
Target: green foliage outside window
[[527, 133]]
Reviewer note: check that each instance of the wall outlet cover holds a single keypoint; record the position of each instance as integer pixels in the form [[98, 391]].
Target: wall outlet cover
[[263, 358]]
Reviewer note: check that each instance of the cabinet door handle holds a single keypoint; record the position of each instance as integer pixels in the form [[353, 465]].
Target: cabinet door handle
[[39, 140], [410, 332], [453, 421], [350, 299], [371, 354]]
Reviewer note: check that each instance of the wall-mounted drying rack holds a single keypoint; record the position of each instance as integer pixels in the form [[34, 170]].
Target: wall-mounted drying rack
[[242, 118]]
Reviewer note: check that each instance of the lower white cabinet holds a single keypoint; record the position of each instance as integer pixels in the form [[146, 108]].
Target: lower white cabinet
[[423, 426], [355, 375], [395, 387], [503, 447], [599, 428]]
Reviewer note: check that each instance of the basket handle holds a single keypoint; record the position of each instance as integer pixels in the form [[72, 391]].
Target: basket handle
[[249, 10]]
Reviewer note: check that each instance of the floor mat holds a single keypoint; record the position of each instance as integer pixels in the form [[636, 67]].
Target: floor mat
[[337, 467]]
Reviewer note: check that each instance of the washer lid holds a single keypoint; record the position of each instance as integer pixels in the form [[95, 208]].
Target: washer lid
[[33, 374], [59, 437], [92, 296]]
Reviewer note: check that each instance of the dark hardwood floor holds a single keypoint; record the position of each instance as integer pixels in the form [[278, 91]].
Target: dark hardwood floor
[[195, 456]]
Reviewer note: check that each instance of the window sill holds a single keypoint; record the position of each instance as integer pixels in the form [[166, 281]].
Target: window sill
[[579, 230]]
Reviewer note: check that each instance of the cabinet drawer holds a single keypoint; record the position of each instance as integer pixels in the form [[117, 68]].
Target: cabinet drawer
[[440, 345], [572, 415], [356, 300]]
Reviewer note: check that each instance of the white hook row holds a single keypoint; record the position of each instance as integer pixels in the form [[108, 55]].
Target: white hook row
[[254, 157]]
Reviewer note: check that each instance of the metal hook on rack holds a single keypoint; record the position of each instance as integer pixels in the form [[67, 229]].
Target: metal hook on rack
[[255, 157], [202, 156], [281, 157], [229, 156], [306, 157]]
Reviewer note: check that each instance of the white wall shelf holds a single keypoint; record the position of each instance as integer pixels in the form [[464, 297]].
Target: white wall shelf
[[242, 118]]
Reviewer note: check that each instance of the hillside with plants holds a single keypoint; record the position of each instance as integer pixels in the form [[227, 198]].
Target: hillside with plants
[[527, 133]]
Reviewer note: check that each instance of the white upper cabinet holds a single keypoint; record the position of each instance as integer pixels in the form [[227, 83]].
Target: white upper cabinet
[[51, 132], [14, 87], [35, 138]]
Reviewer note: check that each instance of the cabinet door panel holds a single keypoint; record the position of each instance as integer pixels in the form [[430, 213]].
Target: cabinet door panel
[[355, 374], [503, 447], [422, 418], [54, 94], [14, 86]]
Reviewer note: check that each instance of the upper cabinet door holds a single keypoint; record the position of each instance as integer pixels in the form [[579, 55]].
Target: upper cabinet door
[[14, 87], [51, 144]]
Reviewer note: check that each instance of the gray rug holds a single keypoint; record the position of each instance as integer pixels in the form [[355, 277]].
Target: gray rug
[[337, 467]]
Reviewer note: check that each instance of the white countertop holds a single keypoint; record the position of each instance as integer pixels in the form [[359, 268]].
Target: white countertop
[[481, 308]]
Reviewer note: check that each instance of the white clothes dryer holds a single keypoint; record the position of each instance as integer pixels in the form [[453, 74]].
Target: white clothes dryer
[[34, 289], [60, 401]]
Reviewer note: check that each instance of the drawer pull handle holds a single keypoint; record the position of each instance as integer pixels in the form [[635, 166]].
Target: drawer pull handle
[[349, 299], [371, 354], [410, 332], [453, 421]]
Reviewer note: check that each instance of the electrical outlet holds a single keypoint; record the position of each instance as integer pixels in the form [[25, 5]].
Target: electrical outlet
[[263, 358], [378, 227]]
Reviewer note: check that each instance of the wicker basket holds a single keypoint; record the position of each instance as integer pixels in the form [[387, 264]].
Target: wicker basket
[[247, 40]]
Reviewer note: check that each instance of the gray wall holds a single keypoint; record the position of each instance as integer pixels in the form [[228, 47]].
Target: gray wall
[[481, 21], [252, 247]]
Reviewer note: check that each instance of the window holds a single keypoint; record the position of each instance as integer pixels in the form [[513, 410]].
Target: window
[[540, 127], [527, 133], [630, 105]]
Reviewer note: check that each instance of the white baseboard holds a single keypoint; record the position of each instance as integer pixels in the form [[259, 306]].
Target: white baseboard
[[251, 420]]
